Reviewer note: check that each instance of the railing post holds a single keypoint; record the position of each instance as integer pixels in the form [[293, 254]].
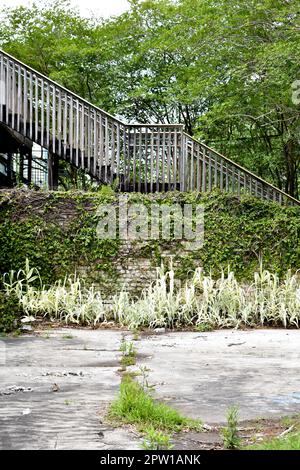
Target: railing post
[[52, 171], [182, 162], [2, 86], [29, 167], [21, 166], [9, 167]]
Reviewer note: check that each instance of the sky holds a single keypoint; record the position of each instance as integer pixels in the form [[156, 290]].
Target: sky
[[103, 8]]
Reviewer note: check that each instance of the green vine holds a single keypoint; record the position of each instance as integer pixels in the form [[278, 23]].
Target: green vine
[[56, 231]]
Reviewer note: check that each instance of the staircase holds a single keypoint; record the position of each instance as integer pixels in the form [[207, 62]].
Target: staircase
[[135, 157]]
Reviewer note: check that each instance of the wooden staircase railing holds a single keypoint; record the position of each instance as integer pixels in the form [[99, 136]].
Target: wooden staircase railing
[[136, 157]]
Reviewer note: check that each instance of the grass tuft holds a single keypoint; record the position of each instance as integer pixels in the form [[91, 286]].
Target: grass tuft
[[288, 442], [128, 354], [136, 406], [156, 440], [230, 433]]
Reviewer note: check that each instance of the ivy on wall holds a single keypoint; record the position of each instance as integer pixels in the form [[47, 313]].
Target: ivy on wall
[[57, 232]]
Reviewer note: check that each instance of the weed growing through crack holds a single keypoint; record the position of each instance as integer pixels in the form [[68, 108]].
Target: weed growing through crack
[[128, 354], [46, 335], [203, 327], [156, 440], [68, 402], [230, 433], [67, 337], [136, 335], [144, 372], [135, 405]]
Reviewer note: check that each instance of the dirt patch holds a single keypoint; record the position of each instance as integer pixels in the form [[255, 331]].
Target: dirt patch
[[250, 432]]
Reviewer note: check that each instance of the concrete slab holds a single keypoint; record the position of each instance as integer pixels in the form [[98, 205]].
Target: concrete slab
[[54, 387], [202, 374]]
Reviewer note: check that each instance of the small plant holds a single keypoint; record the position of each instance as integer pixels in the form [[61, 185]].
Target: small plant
[[136, 335], [46, 335], [127, 348], [203, 327], [156, 440], [107, 190], [144, 373], [16, 333], [128, 354], [230, 433], [20, 282], [67, 402], [67, 337]]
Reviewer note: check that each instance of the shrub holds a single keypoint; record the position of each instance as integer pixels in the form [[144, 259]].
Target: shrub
[[69, 300], [10, 312]]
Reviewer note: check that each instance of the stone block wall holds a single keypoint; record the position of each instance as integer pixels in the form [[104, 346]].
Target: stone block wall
[[57, 233]]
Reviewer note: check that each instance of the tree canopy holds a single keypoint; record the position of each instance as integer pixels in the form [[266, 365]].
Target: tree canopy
[[223, 68]]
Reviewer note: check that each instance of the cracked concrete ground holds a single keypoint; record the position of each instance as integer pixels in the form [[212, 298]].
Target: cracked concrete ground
[[73, 376], [202, 374], [55, 387]]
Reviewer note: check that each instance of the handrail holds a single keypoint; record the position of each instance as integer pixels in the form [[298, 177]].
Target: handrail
[[62, 88], [141, 156], [155, 125], [245, 170]]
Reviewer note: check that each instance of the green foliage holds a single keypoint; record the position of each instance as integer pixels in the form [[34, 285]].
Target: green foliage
[[203, 327], [239, 233], [223, 69], [69, 301], [128, 354], [288, 442], [207, 303], [156, 440], [53, 248], [230, 433], [10, 312], [202, 302], [107, 191], [136, 406]]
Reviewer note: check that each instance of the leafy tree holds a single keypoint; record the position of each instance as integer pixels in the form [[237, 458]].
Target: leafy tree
[[223, 68]]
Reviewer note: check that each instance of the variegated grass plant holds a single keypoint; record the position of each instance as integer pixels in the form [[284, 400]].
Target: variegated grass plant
[[202, 300]]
